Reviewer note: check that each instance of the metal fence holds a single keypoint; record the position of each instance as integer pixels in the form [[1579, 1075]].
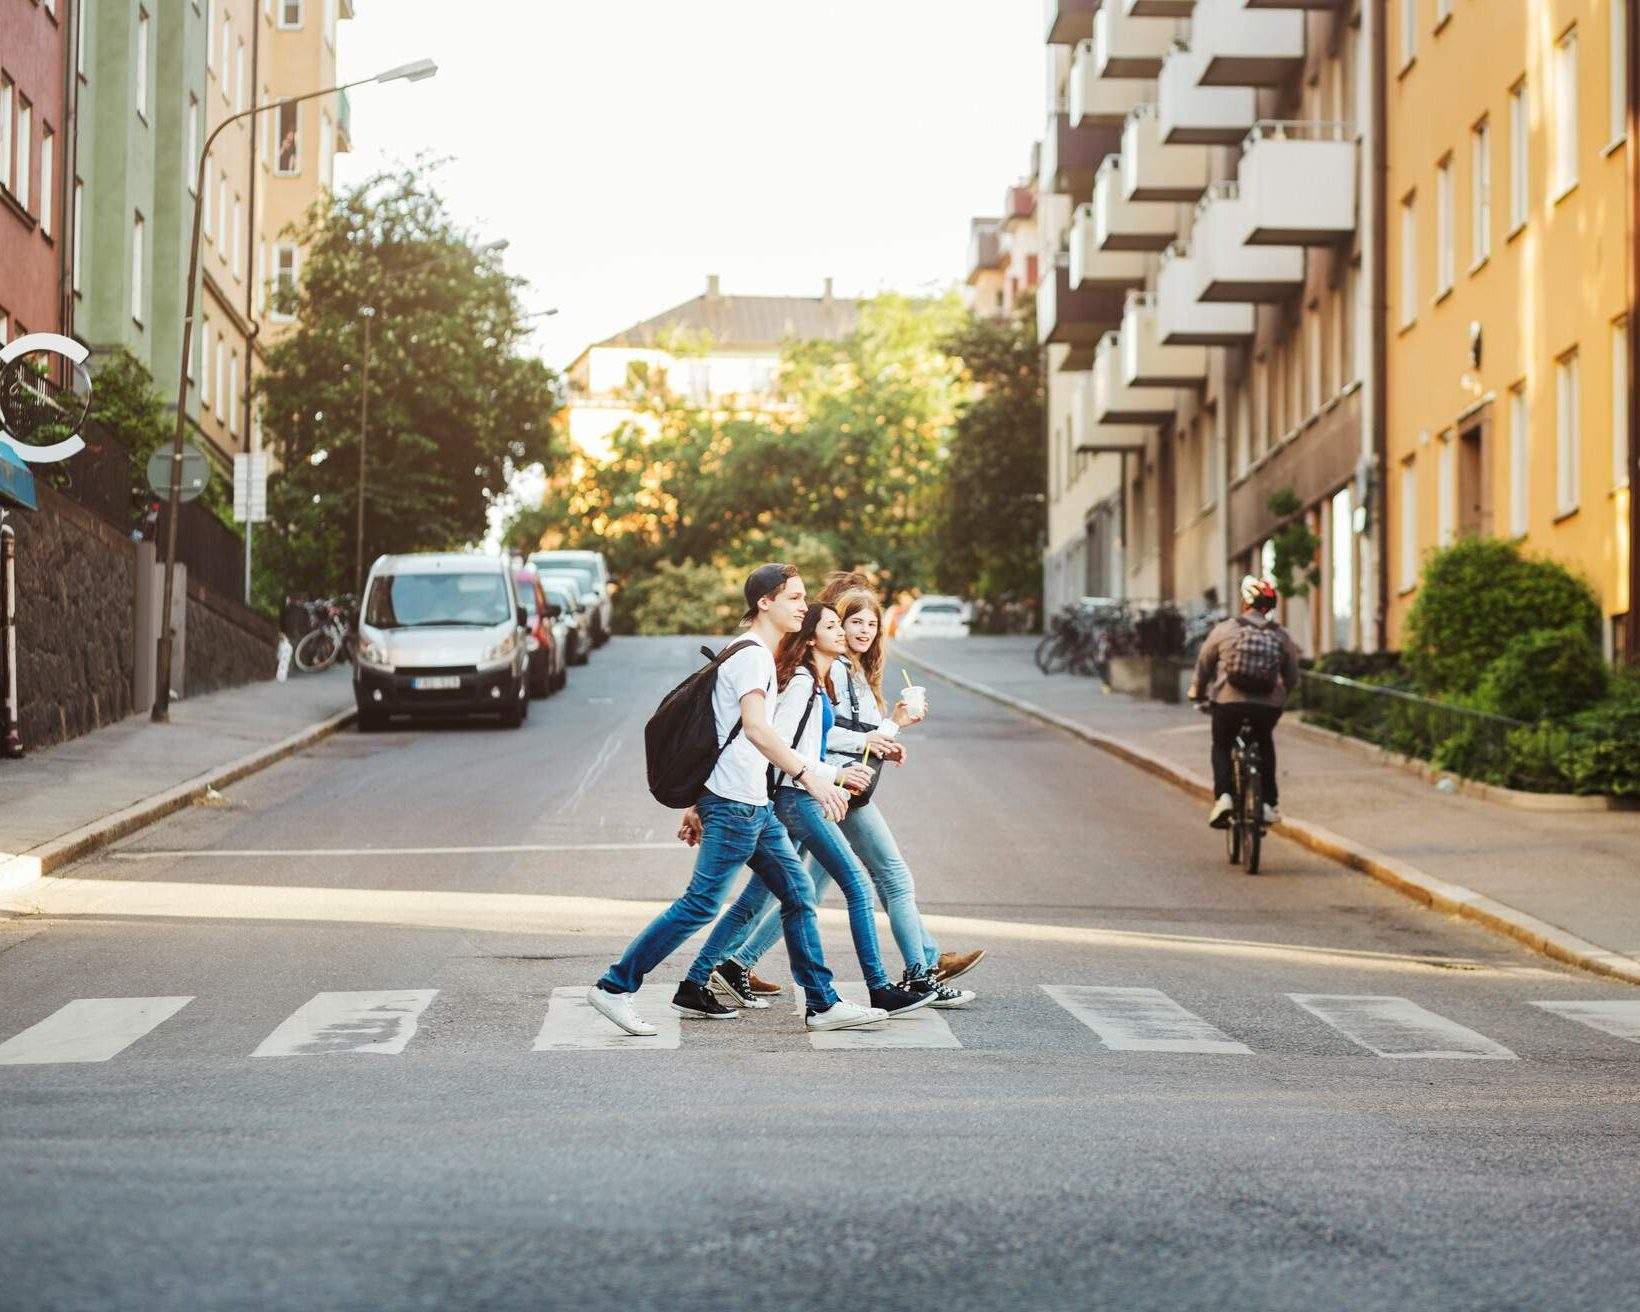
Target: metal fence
[[100, 478], [214, 553]]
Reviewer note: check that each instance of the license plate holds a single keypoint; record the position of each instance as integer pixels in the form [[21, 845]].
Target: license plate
[[434, 682]]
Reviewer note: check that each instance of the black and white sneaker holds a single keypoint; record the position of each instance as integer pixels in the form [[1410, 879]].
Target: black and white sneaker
[[697, 1001], [918, 980], [733, 979], [947, 998], [899, 1002]]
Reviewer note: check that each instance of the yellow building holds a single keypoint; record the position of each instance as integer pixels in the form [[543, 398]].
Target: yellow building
[[1508, 260]]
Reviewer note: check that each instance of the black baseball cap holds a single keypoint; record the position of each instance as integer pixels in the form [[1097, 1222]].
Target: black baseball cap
[[762, 582]]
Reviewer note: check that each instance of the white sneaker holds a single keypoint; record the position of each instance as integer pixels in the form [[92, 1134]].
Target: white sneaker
[[844, 1016], [1271, 815], [1219, 816], [618, 1009]]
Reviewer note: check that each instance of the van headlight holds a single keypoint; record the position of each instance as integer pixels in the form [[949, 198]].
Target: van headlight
[[373, 652], [502, 649]]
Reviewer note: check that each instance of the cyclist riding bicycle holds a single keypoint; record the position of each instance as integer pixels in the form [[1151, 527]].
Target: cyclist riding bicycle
[[1247, 667]]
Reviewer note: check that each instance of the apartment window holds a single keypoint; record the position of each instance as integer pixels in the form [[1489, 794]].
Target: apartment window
[[1480, 198], [1409, 526], [77, 219], [5, 327], [191, 159], [193, 355], [1520, 463], [1409, 31], [1620, 403], [227, 57], [330, 21], [289, 157], [205, 356], [207, 217], [48, 179], [238, 236], [264, 128], [1312, 358], [138, 234], [1519, 169], [261, 277], [1565, 116], [233, 395], [1446, 241], [290, 13], [284, 280], [239, 77], [222, 215], [25, 142], [210, 26], [6, 112], [142, 64], [327, 148], [79, 43], [1350, 335], [1568, 434], [1443, 11], [221, 377], [1618, 86], [1409, 259]]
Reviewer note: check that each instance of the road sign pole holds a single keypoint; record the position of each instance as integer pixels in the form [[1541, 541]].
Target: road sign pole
[[250, 532]]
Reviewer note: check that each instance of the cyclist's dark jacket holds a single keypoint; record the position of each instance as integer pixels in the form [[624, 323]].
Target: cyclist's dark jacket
[[1210, 680]]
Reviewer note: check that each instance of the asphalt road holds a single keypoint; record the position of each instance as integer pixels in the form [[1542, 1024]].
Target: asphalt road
[[1169, 1129]]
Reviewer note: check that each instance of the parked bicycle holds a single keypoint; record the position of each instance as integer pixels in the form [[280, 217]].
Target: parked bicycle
[[329, 639]]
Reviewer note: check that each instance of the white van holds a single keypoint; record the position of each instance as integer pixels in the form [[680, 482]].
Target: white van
[[441, 633]]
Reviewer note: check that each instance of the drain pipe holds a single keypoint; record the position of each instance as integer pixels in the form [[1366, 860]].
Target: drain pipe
[[1631, 634], [1374, 439], [11, 742]]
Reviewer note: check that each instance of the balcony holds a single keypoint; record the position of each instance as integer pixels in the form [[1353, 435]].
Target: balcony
[[1114, 402], [1182, 320], [1092, 267], [1125, 46], [1072, 155], [1158, 8], [1246, 46], [1094, 438], [984, 247], [1147, 361], [1231, 270], [1070, 21], [1018, 204], [1191, 114], [1154, 171], [1091, 98], [1295, 4], [1077, 317], [1127, 225], [1298, 184]]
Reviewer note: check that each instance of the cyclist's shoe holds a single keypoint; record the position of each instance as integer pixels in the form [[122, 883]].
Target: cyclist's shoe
[[1219, 816], [1271, 815]]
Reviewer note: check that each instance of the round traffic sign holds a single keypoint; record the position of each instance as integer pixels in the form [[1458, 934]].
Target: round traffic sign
[[196, 472]]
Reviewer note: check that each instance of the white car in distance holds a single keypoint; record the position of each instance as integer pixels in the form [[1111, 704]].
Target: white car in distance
[[935, 617]]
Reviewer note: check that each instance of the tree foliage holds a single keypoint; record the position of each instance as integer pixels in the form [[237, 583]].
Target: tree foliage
[[454, 408]]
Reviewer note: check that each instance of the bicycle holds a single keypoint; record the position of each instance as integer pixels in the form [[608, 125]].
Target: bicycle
[[320, 647], [1244, 836]]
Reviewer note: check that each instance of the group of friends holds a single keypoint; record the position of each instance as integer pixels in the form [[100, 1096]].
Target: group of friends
[[803, 730]]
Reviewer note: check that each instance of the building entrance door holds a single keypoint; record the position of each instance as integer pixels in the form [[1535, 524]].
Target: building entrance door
[[1475, 476]]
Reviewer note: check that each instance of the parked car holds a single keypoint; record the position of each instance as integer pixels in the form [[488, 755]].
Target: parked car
[[935, 617], [573, 583], [547, 670], [577, 641], [441, 634], [597, 571]]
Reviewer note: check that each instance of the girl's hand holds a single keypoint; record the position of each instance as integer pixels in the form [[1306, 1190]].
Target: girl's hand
[[856, 778], [902, 715], [882, 745]]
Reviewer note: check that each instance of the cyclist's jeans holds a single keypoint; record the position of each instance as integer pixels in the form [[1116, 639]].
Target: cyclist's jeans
[[1227, 718]]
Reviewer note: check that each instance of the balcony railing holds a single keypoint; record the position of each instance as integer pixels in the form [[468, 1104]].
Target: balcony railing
[[1154, 171], [1091, 98], [1189, 113], [1183, 320], [1092, 267], [1243, 45], [1072, 155], [985, 249], [1158, 8], [1128, 46], [1146, 360], [1075, 317], [1299, 183], [1091, 437], [1126, 225], [1115, 401], [1018, 203], [1231, 270]]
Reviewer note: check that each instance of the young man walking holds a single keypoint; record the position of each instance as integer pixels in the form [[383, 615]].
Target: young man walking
[[735, 825]]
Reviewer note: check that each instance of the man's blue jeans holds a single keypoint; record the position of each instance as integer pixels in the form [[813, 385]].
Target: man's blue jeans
[[873, 843], [735, 834], [808, 826]]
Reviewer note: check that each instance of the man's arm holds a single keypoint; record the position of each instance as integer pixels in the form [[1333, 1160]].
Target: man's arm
[[1207, 664], [754, 723]]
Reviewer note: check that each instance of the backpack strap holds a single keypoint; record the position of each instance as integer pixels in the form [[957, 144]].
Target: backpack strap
[[775, 776], [716, 660]]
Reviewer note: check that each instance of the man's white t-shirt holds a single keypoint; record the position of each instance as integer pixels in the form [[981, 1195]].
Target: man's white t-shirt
[[742, 772]]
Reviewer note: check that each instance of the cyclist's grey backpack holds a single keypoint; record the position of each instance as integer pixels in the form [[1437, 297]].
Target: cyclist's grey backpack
[[1252, 657]]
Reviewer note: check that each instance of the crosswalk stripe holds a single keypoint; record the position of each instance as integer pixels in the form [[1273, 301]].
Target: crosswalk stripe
[[89, 1029], [1399, 1027], [1141, 1020], [1620, 1019], [571, 1024], [375, 1021], [923, 1028]]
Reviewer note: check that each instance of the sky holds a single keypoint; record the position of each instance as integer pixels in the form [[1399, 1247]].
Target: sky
[[628, 148]]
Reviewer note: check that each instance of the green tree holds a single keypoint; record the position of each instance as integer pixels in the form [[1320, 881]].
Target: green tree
[[993, 517], [455, 409]]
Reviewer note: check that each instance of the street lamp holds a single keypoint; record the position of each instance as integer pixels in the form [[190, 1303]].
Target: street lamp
[[412, 72]]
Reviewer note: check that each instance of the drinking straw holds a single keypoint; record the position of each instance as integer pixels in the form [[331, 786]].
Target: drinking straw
[[906, 677]]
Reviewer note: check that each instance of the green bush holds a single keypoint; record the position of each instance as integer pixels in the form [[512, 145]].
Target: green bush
[[1474, 597], [1544, 674]]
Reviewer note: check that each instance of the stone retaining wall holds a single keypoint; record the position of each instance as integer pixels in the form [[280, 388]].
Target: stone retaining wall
[[228, 643]]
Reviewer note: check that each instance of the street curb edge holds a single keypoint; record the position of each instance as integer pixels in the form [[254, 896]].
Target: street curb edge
[[27, 869], [1437, 894]]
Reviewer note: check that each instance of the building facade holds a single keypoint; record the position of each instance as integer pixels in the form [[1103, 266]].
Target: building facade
[[1004, 253], [1509, 404]]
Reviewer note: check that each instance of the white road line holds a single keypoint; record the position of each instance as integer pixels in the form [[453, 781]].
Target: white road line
[[1620, 1019], [377, 1021], [88, 1029], [594, 772], [1399, 1027], [572, 1025], [923, 1028], [1141, 1020], [478, 850]]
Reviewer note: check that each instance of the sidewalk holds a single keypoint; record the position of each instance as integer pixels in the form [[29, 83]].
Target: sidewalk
[[1567, 884], [60, 802]]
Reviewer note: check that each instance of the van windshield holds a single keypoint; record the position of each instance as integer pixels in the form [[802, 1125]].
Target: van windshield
[[407, 601]]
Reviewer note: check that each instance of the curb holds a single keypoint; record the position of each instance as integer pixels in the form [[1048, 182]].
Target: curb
[[28, 868], [1438, 894]]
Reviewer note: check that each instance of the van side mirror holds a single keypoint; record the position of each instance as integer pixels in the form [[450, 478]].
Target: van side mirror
[[554, 610]]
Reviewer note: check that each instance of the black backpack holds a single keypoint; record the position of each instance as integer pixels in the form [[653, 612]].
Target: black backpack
[[680, 741]]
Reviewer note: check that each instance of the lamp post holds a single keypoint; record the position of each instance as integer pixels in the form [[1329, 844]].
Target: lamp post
[[414, 72]]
